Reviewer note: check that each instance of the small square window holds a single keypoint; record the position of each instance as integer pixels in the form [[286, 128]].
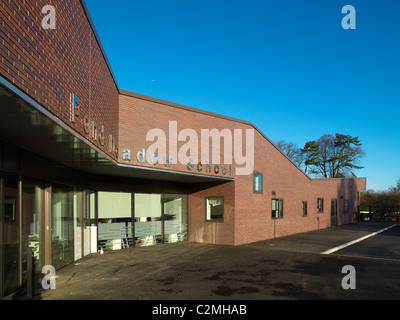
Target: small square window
[[214, 208], [258, 182]]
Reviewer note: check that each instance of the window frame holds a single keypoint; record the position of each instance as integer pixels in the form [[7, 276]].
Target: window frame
[[280, 208], [206, 208], [346, 205], [304, 208], [255, 174], [320, 209]]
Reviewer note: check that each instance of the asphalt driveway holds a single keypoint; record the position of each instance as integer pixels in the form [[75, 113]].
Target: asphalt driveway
[[289, 268]]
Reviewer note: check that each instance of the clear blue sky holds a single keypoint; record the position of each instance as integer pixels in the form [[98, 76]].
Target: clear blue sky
[[287, 66]]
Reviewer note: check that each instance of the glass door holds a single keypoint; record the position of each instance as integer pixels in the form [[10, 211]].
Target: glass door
[[89, 223], [78, 203], [32, 217], [62, 247], [11, 237]]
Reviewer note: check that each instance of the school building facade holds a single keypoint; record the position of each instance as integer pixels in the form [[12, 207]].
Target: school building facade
[[79, 171]]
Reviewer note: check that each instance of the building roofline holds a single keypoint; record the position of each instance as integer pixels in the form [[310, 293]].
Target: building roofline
[[180, 106], [99, 42], [168, 103], [345, 178]]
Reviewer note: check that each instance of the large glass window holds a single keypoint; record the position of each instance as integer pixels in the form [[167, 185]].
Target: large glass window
[[215, 208], [157, 218], [148, 220], [175, 218], [160, 218], [115, 220]]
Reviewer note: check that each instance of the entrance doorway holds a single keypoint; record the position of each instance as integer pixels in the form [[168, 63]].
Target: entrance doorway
[[10, 249], [21, 219]]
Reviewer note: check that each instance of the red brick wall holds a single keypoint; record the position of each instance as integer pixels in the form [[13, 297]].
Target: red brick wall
[[283, 180], [138, 117], [247, 216], [51, 65], [217, 232]]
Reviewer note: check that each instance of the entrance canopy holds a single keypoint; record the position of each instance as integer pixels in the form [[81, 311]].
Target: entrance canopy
[[23, 122]]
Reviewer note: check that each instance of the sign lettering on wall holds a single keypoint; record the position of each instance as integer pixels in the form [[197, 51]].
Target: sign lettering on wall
[[225, 170], [96, 132]]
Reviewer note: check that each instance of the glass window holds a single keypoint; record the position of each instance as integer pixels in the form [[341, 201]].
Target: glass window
[[32, 209], [258, 182], [115, 220], [175, 218], [215, 208], [62, 227], [346, 206], [160, 218], [320, 205], [148, 222], [277, 208], [77, 202], [89, 223], [11, 244], [304, 208]]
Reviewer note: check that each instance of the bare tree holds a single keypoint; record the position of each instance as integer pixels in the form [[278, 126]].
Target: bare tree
[[292, 151]]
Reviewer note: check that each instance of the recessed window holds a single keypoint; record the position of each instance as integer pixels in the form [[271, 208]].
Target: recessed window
[[214, 208], [277, 208], [320, 205], [345, 206], [304, 208], [258, 182]]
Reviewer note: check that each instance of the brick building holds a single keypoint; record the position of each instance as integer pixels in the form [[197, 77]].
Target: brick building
[[79, 171]]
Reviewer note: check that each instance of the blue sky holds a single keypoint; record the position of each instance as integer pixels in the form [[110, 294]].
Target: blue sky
[[287, 66]]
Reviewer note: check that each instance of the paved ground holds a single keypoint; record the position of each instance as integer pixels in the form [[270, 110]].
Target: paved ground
[[281, 269]]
